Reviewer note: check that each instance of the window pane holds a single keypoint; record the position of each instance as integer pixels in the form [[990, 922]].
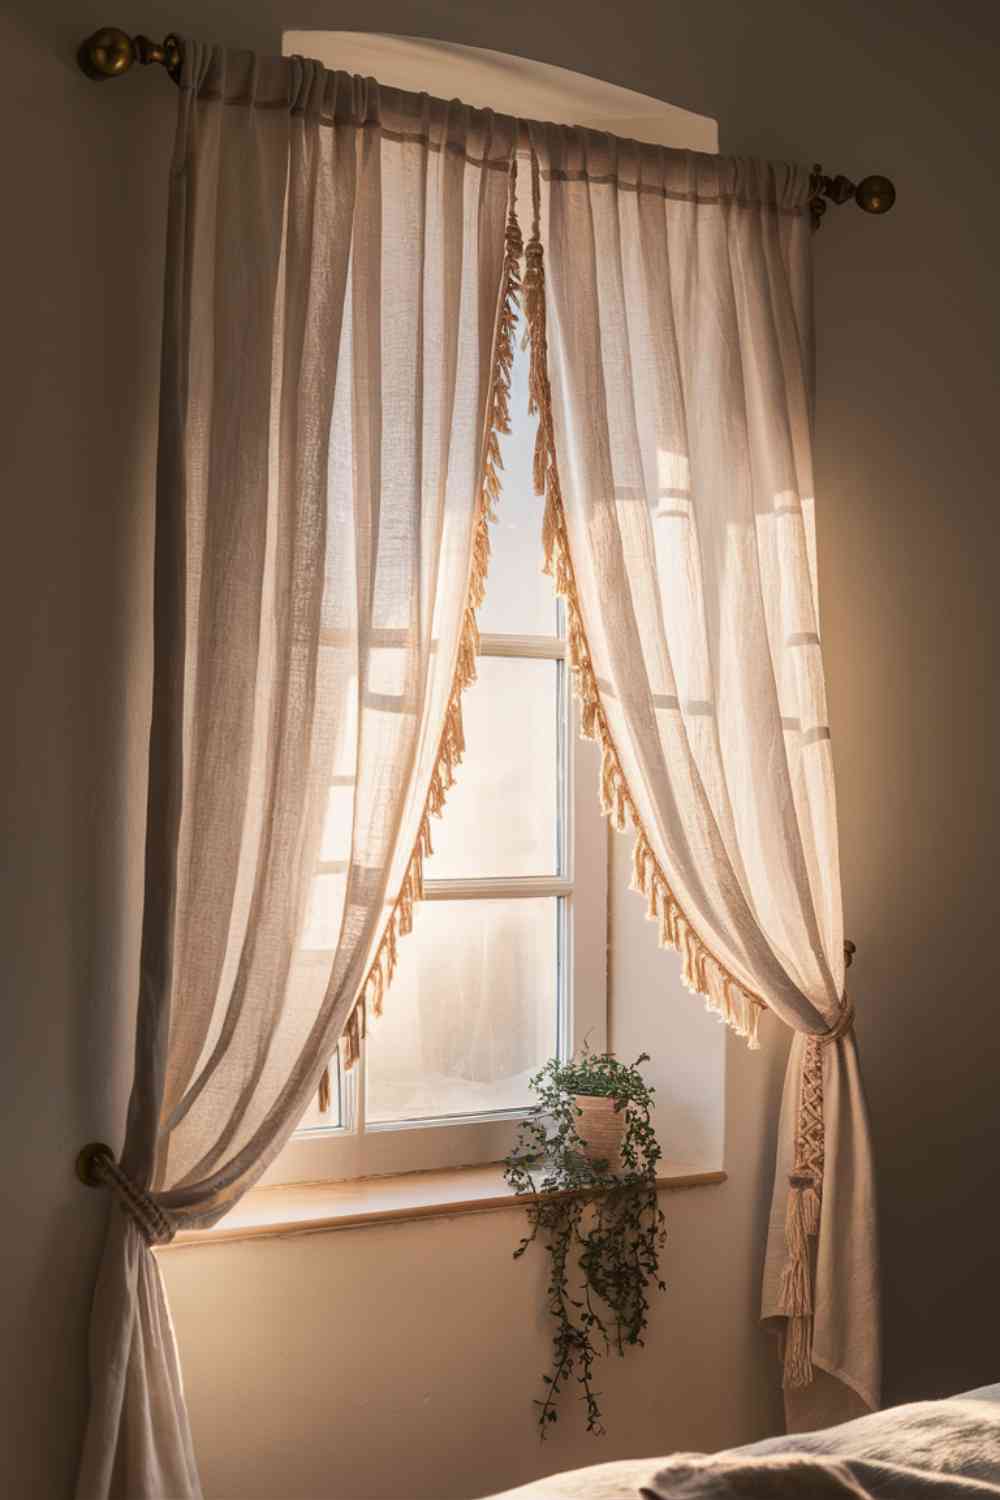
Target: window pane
[[472, 1012], [313, 1119], [338, 825], [520, 599], [501, 817]]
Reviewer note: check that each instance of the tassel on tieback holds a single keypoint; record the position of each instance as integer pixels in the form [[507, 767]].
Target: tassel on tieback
[[796, 1298]]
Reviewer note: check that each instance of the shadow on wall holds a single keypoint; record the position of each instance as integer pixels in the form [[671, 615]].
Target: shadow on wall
[[83, 271]]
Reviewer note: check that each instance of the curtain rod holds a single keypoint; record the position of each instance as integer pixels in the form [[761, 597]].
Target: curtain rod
[[110, 52]]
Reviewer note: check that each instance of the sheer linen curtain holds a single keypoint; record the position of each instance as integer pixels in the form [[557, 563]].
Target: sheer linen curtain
[[337, 334], [671, 326]]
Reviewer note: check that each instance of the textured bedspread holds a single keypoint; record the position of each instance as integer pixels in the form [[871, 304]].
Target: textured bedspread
[[932, 1450]]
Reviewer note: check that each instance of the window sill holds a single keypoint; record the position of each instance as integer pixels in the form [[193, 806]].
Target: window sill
[[322, 1207]]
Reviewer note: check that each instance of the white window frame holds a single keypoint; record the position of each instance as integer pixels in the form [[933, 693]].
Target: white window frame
[[355, 1148]]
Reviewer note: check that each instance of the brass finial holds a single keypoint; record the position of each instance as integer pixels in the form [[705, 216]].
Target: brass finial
[[110, 52], [875, 195]]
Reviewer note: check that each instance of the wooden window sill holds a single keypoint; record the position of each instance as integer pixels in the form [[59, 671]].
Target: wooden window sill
[[322, 1207]]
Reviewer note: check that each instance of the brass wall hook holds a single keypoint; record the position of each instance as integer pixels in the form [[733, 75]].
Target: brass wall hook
[[88, 1160], [110, 52]]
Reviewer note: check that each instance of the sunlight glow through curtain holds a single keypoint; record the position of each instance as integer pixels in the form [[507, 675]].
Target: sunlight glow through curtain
[[669, 297]]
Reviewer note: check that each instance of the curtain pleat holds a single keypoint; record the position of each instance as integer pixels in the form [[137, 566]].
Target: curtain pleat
[[670, 306], [336, 331]]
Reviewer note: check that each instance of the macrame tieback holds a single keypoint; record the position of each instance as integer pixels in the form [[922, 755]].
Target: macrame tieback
[[96, 1166], [805, 1196]]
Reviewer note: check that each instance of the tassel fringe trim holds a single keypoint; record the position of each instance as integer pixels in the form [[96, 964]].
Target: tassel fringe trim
[[451, 746], [701, 972]]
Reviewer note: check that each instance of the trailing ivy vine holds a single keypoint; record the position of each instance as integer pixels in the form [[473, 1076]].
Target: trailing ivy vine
[[604, 1224]]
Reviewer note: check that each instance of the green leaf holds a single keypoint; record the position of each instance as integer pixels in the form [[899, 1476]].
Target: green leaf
[[602, 1226]]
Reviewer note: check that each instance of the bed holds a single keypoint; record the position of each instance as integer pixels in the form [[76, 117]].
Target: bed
[[930, 1450]]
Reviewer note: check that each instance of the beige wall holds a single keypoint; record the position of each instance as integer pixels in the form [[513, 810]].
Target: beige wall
[[314, 1367], [81, 270], [908, 314], [404, 1359]]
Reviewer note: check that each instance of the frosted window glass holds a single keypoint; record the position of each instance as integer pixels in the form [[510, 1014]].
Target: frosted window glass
[[471, 1014], [520, 599], [501, 817]]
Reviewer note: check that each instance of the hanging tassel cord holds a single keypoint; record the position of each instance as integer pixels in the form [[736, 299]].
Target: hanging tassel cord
[[796, 1296], [802, 1216], [701, 971], [451, 746]]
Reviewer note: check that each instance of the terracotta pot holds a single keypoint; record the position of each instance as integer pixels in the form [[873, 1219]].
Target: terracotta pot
[[601, 1128]]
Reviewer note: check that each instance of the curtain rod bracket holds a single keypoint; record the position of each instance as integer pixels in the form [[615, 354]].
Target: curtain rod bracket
[[111, 52]]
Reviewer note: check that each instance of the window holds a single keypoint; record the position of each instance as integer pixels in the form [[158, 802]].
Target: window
[[507, 961], [521, 631]]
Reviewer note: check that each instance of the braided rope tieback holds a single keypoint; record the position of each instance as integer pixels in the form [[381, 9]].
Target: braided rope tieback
[[96, 1167]]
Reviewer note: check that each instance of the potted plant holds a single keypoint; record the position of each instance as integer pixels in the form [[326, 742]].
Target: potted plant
[[587, 1156], [596, 1091]]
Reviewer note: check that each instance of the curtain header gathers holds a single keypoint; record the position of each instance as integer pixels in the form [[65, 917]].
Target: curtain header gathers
[[303, 87]]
